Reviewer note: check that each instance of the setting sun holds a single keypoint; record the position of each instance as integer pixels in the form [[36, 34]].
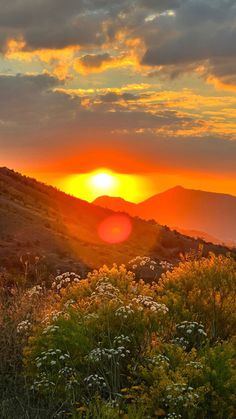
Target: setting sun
[[103, 181]]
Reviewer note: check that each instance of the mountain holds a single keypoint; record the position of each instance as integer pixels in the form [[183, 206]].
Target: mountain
[[116, 204], [212, 213], [44, 221]]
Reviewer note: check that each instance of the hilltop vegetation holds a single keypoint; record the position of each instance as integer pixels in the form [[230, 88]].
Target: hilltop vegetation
[[112, 346]]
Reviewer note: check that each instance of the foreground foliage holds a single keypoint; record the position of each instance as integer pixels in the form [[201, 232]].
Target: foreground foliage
[[111, 346]]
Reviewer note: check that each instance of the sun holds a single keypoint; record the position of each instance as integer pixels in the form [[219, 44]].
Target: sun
[[103, 181]]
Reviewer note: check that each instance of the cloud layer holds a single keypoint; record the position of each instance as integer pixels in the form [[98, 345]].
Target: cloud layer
[[37, 113], [176, 35]]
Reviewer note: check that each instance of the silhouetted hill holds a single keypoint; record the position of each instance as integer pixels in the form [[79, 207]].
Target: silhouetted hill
[[116, 204], [42, 220], [208, 212]]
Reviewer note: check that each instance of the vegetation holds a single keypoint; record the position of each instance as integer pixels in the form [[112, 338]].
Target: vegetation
[[112, 345]]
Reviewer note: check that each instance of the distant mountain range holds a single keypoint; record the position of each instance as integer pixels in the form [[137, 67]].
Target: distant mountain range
[[204, 214], [42, 220]]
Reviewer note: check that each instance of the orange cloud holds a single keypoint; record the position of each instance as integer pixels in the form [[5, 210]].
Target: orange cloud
[[59, 59], [93, 63], [220, 84], [104, 90]]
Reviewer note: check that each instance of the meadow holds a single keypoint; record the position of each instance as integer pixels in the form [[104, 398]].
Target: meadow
[[113, 345]]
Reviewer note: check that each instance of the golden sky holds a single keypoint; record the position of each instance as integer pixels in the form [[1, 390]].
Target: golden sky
[[145, 89]]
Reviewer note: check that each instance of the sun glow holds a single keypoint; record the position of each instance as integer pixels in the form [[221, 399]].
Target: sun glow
[[103, 181]]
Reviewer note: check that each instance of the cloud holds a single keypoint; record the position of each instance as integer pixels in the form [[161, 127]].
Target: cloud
[[51, 24], [171, 37], [39, 118], [202, 33]]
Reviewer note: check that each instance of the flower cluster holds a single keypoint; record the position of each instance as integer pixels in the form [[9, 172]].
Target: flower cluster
[[69, 303], [173, 416], [63, 280], [42, 383], [181, 341], [160, 360], [91, 316], [54, 316], [180, 394], [145, 301], [65, 372], [141, 261], [191, 327], [105, 290], [95, 381], [51, 328], [99, 354], [166, 266], [69, 376], [146, 261], [50, 357], [122, 339], [37, 290], [124, 311], [194, 364], [24, 327], [190, 334]]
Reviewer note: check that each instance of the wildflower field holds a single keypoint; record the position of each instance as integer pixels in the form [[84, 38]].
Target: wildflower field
[[113, 345]]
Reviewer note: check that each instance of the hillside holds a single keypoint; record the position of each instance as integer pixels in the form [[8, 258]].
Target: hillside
[[207, 212], [39, 219]]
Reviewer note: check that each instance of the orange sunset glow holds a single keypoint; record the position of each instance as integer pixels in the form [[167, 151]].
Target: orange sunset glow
[[100, 182]]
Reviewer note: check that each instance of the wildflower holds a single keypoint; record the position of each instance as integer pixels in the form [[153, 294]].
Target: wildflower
[[148, 303], [24, 327], [35, 291], [95, 381], [62, 281], [124, 311]]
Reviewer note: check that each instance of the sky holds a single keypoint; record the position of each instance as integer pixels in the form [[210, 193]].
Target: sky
[[142, 88]]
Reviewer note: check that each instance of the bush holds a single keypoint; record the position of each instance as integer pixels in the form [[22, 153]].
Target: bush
[[102, 327], [203, 290], [110, 346]]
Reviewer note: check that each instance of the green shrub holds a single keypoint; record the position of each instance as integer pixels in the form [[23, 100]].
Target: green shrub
[[101, 329], [110, 346], [203, 290]]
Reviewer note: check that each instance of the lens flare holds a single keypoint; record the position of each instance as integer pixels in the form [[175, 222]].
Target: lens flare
[[115, 229]]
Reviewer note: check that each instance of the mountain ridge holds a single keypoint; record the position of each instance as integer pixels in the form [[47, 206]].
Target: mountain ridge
[[187, 209]]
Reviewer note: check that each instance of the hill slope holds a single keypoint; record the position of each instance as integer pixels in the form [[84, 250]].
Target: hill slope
[[211, 213], [40, 219]]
